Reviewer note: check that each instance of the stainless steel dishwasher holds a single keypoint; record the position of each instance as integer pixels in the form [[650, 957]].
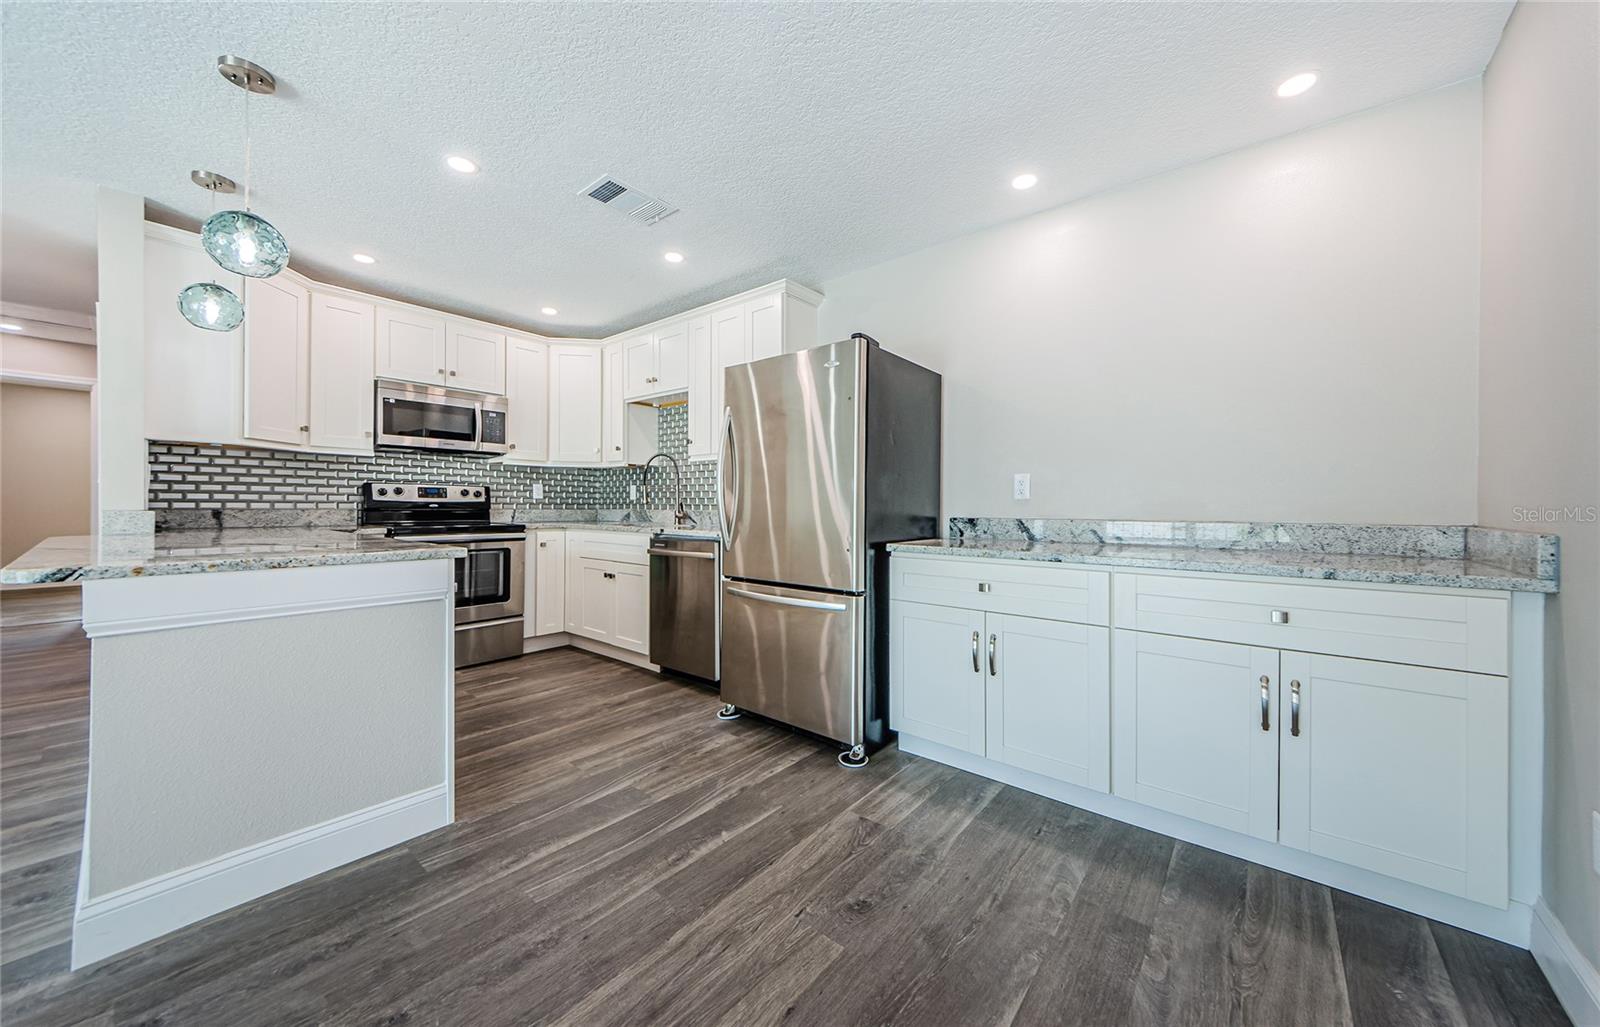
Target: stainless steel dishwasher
[[686, 604]]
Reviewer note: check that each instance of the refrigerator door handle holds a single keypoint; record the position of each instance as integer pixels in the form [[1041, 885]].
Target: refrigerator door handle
[[728, 514], [804, 604]]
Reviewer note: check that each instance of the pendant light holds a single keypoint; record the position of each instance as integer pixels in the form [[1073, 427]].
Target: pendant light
[[238, 240], [206, 304]]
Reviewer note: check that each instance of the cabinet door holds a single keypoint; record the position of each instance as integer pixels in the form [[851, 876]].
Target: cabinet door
[[672, 358], [630, 586], [765, 319], [730, 345], [548, 612], [276, 351], [191, 380], [613, 436], [575, 404], [476, 358], [936, 681], [638, 365], [527, 399], [1402, 770], [1195, 728], [591, 600], [411, 346], [698, 336], [1049, 698], [341, 372]]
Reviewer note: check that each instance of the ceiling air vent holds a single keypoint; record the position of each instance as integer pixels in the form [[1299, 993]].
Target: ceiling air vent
[[646, 210]]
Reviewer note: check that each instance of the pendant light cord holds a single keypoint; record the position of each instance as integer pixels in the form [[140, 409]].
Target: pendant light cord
[[247, 142]]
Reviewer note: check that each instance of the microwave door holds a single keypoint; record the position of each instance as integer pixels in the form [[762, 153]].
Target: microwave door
[[414, 418]]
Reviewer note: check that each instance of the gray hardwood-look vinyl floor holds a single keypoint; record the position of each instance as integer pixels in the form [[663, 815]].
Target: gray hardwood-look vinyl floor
[[621, 857]]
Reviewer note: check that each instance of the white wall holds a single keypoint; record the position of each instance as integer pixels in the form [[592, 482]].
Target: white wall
[[1287, 332], [120, 423], [44, 465], [1540, 392]]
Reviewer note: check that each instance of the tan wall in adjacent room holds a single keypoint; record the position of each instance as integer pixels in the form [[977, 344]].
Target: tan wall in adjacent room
[[44, 466]]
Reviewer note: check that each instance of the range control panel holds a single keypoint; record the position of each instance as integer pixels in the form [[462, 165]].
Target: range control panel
[[413, 492]]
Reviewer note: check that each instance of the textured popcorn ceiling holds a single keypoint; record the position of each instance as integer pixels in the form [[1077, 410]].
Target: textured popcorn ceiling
[[799, 140]]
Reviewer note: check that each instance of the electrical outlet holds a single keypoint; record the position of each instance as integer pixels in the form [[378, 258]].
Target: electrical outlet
[[536, 491], [1022, 486], [633, 493]]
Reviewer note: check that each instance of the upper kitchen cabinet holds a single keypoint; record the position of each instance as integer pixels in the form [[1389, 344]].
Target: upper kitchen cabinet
[[575, 404], [341, 372], [475, 358], [192, 376], [613, 404], [700, 414], [411, 346], [277, 327], [527, 399], [655, 363]]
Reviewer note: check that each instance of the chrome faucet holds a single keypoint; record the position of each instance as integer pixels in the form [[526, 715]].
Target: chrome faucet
[[681, 518]]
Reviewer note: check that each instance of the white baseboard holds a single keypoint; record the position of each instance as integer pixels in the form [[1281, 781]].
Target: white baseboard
[[560, 639], [1573, 978], [1509, 925], [127, 917]]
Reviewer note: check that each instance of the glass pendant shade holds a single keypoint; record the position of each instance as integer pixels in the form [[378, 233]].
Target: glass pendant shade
[[210, 306], [245, 244]]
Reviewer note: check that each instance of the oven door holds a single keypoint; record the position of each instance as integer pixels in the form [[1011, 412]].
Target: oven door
[[488, 578], [424, 417]]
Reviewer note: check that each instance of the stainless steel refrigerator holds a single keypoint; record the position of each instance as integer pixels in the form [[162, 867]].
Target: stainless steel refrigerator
[[826, 455]]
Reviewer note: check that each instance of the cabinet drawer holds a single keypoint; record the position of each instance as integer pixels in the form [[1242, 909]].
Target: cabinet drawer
[[1004, 586], [616, 546], [1461, 632]]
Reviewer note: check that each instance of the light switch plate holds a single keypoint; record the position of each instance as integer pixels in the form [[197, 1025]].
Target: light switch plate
[[1022, 486], [537, 491]]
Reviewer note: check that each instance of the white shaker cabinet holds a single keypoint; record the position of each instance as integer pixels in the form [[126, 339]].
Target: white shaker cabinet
[[411, 346], [192, 376], [613, 405], [1402, 770], [341, 384], [630, 584], [545, 589], [655, 363], [936, 674], [527, 399], [575, 404], [701, 416], [672, 358], [1195, 730], [1048, 698], [277, 353], [475, 358], [638, 356], [764, 325]]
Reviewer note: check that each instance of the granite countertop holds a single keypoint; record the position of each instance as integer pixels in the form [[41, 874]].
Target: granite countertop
[[94, 558], [1440, 571]]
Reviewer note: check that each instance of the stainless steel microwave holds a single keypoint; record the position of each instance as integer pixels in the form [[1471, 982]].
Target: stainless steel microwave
[[428, 417]]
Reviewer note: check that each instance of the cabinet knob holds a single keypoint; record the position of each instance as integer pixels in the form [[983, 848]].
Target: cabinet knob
[[305, 427], [617, 448], [543, 544], [512, 446], [367, 434], [1280, 616], [452, 374], [441, 370]]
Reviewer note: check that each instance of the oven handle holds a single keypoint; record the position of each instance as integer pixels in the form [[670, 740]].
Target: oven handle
[[458, 539]]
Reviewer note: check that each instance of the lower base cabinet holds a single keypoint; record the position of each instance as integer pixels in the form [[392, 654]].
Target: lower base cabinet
[[1030, 693], [544, 607], [608, 600]]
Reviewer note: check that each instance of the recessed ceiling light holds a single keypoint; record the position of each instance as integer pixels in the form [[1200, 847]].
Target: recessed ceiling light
[[363, 258], [8, 326], [549, 311], [1027, 181], [462, 164], [672, 257], [1297, 84]]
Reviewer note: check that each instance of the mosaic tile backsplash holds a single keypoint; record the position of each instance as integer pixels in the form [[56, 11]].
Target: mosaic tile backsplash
[[198, 485]]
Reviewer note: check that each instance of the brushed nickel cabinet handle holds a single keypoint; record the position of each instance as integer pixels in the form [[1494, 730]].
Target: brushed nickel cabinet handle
[[975, 668], [992, 670], [1266, 703], [1280, 616], [1294, 708], [983, 586]]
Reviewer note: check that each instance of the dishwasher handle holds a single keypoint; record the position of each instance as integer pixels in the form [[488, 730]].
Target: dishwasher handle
[[684, 553]]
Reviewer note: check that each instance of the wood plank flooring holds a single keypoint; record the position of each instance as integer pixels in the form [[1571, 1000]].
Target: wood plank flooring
[[622, 857]]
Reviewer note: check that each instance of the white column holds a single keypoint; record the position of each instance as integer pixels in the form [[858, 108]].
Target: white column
[[120, 451]]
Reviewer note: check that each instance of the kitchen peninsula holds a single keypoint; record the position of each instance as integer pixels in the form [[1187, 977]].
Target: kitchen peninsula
[[266, 704]]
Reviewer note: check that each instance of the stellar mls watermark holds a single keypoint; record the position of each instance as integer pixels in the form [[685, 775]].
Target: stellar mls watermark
[[1555, 514]]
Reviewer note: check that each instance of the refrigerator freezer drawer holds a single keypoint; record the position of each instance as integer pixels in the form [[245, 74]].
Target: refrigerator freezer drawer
[[795, 656]]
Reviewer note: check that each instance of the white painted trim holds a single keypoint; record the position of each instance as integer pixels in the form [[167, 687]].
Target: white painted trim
[[135, 625], [47, 381], [1573, 978], [46, 315], [1509, 925], [1525, 662], [610, 651], [127, 917]]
